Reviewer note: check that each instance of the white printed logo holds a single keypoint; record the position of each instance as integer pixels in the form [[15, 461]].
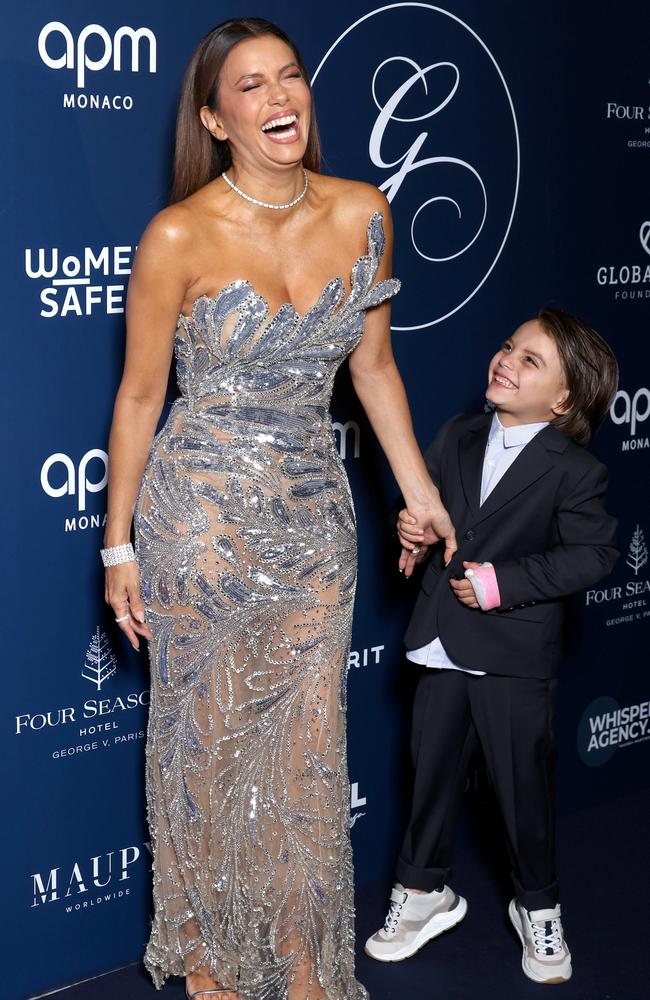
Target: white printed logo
[[637, 555], [629, 597], [632, 411], [413, 107], [644, 236], [75, 55], [356, 802], [628, 115], [101, 662], [69, 290], [75, 480], [629, 281], [349, 428], [363, 657], [84, 877], [605, 726], [95, 49]]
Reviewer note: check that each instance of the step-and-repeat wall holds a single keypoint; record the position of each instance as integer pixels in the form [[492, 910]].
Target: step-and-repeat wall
[[513, 142]]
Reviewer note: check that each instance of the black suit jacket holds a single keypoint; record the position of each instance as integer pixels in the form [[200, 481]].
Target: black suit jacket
[[543, 527]]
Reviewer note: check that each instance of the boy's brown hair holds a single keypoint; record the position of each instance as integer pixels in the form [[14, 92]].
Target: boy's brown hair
[[590, 370]]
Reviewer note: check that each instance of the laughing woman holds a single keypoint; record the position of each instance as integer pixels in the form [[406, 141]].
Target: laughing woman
[[263, 276]]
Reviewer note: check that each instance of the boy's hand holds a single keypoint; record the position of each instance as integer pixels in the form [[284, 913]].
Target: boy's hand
[[464, 590]]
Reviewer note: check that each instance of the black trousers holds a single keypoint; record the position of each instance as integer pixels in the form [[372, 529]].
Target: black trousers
[[512, 719]]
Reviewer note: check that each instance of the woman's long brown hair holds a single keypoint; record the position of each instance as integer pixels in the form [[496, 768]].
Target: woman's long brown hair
[[198, 157]]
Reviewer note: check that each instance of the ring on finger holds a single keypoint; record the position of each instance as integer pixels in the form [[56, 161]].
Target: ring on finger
[[124, 618], [415, 550]]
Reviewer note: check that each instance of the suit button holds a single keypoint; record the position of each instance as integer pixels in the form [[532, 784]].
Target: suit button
[[469, 535]]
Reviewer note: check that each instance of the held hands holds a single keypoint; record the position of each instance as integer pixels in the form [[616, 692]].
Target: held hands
[[463, 589], [420, 528], [122, 592]]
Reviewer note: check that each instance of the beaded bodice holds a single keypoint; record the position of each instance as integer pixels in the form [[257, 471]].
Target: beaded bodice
[[240, 366]]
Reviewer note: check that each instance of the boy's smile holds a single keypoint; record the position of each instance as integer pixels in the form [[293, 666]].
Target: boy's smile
[[525, 379]]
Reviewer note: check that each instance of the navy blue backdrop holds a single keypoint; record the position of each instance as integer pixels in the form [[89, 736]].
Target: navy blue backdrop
[[513, 141]]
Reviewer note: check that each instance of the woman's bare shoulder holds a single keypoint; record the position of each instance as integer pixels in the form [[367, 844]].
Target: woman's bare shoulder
[[168, 245], [351, 196], [352, 203], [173, 228]]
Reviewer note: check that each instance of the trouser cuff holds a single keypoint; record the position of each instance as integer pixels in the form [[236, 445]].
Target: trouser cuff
[[537, 899], [426, 879]]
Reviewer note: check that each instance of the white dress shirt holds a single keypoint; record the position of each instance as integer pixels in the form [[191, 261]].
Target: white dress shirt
[[503, 446]]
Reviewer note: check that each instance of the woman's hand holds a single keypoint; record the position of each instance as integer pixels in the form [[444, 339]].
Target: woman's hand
[[427, 525], [122, 592]]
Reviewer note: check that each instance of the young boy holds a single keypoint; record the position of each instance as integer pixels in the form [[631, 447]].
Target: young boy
[[527, 503]]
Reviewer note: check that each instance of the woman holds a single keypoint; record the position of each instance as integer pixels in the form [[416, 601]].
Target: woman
[[244, 524]]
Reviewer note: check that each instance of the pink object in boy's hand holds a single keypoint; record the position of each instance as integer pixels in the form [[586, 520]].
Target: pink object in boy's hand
[[484, 581]]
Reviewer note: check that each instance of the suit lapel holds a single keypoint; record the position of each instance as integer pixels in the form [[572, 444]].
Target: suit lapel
[[531, 464], [471, 451]]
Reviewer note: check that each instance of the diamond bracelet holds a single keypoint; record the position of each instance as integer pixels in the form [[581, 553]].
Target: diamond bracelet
[[117, 554]]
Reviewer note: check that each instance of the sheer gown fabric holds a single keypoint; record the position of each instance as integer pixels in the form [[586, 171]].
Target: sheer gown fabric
[[246, 541]]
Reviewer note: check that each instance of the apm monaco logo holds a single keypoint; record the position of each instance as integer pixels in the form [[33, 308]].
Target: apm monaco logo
[[605, 727], [98, 720], [629, 599], [63, 477], [76, 885], [629, 281], [78, 284], [414, 78], [349, 438], [630, 411], [93, 50]]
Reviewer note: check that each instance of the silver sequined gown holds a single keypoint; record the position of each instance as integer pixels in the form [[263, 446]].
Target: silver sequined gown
[[245, 536]]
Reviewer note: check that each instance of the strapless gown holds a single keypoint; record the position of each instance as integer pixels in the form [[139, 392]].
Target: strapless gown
[[246, 542]]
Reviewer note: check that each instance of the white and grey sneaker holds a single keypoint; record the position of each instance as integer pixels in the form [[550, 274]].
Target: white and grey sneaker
[[546, 958], [413, 919]]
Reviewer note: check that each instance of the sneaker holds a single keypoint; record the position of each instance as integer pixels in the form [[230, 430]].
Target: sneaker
[[413, 919], [546, 958]]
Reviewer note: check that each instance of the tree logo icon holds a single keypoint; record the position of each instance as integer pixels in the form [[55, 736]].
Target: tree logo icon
[[100, 663], [637, 555]]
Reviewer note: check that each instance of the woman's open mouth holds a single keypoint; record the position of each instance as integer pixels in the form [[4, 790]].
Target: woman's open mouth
[[282, 129]]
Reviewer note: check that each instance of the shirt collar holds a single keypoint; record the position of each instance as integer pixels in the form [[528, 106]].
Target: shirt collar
[[516, 436]]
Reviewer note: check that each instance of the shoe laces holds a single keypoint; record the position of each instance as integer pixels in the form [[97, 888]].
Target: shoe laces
[[547, 936], [394, 913]]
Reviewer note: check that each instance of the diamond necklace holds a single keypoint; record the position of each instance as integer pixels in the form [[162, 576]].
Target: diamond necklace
[[266, 204]]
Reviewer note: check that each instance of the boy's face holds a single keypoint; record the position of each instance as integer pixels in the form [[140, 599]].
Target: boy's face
[[525, 377]]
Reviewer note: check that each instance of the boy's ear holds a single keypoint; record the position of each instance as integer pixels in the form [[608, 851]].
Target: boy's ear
[[561, 406]]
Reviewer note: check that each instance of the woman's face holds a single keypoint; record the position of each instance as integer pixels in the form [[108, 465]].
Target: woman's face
[[264, 104]]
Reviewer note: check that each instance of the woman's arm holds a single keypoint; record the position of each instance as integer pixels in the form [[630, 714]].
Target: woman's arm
[[380, 389], [156, 292]]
